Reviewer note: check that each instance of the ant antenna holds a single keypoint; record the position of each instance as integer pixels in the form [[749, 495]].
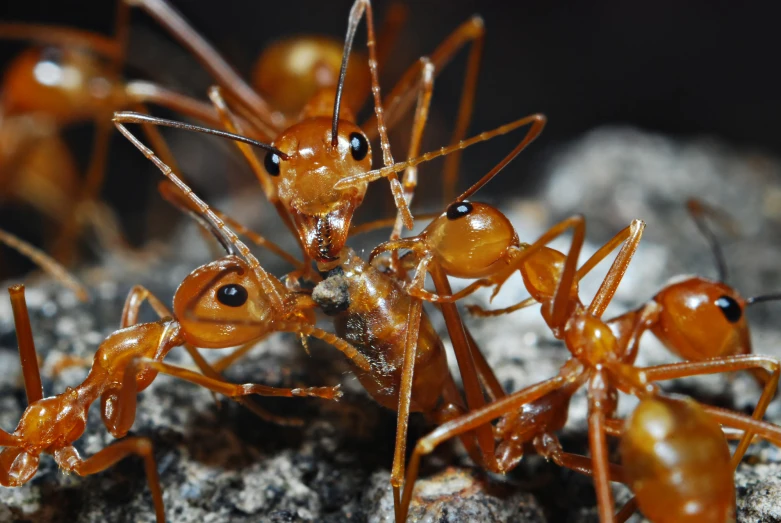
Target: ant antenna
[[133, 117], [697, 210], [171, 194], [764, 297], [352, 28]]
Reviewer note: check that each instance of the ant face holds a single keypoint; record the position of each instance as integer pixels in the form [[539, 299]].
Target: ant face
[[701, 318], [221, 304], [305, 181], [471, 239], [291, 71], [66, 84]]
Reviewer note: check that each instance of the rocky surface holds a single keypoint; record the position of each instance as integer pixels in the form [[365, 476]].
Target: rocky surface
[[220, 463]]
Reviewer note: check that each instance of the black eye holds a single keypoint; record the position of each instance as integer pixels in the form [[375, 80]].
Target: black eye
[[458, 209], [232, 295], [730, 308], [271, 162], [359, 147]]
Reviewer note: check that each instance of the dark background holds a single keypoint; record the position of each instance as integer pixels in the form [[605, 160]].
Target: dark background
[[682, 68]]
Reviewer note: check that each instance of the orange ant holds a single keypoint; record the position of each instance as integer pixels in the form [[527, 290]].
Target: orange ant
[[322, 143], [373, 312], [71, 77], [475, 240], [224, 303], [600, 359]]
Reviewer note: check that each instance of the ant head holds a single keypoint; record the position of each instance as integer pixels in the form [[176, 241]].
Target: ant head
[[66, 84], [305, 181], [221, 304], [471, 239], [291, 71], [701, 318], [17, 466]]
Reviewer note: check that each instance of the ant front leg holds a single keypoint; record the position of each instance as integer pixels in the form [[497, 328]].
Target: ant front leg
[[172, 21], [69, 461], [405, 397], [401, 96], [599, 397], [24, 336]]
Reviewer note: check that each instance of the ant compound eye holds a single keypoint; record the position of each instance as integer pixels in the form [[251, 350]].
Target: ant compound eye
[[458, 209], [730, 308], [232, 295], [359, 147], [271, 163]]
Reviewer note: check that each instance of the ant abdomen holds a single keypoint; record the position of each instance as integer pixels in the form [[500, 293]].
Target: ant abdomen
[[291, 71], [677, 462]]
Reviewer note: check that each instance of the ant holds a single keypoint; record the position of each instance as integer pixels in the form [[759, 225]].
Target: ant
[[372, 312], [323, 143], [72, 76], [475, 240], [600, 360], [222, 304]]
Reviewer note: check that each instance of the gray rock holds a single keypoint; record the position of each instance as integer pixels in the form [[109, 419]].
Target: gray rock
[[221, 463]]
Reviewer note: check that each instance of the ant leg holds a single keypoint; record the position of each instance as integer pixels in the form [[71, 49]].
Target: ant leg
[[232, 390], [348, 350], [484, 371], [476, 310], [45, 262], [400, 97], [466, 365], [388, 34], [475, 419], [405, 396], [24, 336], [143, 92], [598, 399], [763, 429], [727, 364], [549, 447], [410, 178], [57, 36], [226, 361], [69, 460], [617, 269], [172, 21]]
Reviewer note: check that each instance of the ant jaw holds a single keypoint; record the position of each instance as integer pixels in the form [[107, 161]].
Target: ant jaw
[[325, 235]]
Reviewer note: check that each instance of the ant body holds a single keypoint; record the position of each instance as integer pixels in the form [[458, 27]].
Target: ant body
[[221, 304], [475, 240]]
